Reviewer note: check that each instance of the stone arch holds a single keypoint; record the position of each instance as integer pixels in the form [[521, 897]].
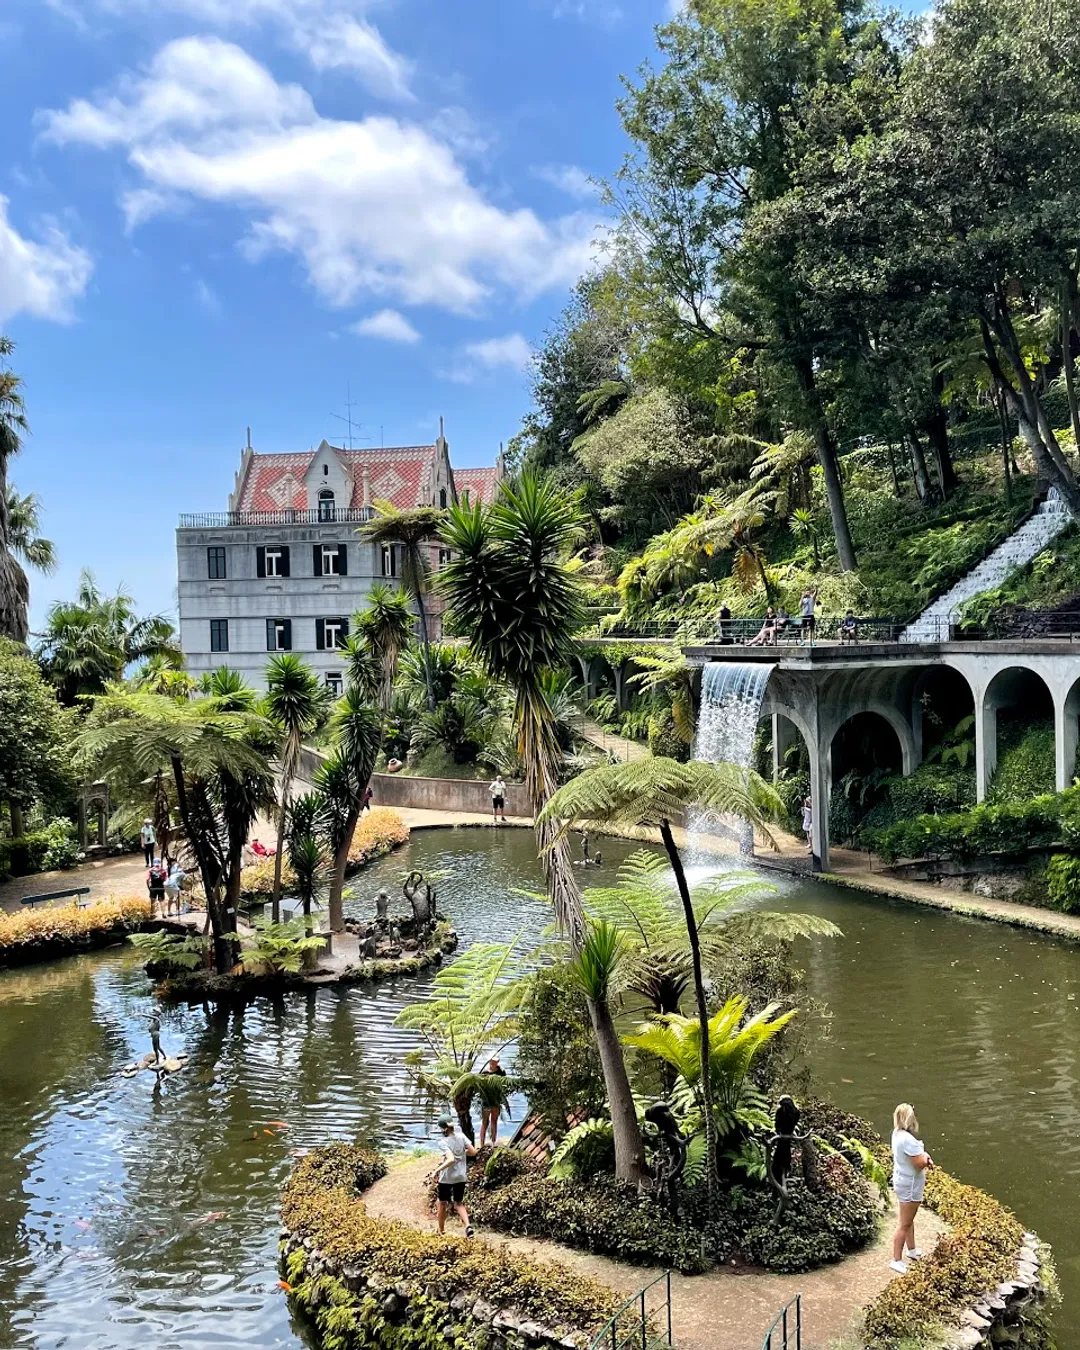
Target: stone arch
[[944, 690], [905, 735], [1009, 687], [1066, 736]]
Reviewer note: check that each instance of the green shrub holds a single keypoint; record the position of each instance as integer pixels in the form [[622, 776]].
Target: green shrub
[[816, 1226], [601, 1215], [1063, 882], [664, 739], [505, 1164], [933, 789], [321, 1205], [1010, 829], [46, 850], [978, 1254], [1025, 766]]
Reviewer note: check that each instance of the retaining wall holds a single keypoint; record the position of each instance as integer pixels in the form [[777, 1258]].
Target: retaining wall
[[444, 794]]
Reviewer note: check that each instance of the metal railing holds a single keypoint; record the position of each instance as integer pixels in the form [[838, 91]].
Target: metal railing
[[738, 632], [786, 1330], [215, 520], [637, 1322]]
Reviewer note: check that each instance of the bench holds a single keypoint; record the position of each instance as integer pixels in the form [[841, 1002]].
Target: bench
[[77, 893]]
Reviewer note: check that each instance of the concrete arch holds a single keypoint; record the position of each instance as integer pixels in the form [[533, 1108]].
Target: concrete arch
[[922, 680], [1007, 687], [1066, 729], [909, 758]]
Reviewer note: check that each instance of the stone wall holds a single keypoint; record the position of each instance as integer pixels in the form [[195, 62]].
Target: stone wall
[[445, 794], [998, 1318]]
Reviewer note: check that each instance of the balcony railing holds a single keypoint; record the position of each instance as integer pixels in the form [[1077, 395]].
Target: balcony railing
[[216, 520]]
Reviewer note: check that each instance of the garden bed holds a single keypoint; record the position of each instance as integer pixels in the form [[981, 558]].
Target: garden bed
[[197, 986], [67, 930], [362, 1280]]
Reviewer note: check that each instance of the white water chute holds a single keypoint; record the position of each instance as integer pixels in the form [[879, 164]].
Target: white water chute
[[731, 697]]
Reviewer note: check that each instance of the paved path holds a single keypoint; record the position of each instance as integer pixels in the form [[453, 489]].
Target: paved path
[[621, 746], [122, 876], [726, 1309]]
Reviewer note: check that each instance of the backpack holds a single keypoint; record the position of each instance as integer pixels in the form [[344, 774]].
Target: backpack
[[157, 876]]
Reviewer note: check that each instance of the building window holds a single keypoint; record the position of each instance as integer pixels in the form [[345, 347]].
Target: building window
[[219, 635], [272, 561], [330, 560], [442, 498], [389, 561], [215, 564], [326, 505], [279, 635], [444, 556], [330, 634], [334, 683], [326, 470]]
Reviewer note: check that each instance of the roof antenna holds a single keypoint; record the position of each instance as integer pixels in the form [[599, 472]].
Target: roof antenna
[[441, 436], [348, 418], [248, 439]]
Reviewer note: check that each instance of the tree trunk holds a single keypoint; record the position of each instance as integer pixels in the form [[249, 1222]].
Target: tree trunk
[[425, 642], [829, 461], [540, 753], [1067, 294], [702, 1006], [937, 433], [918, 463], [1006, 446], [18, 825], [14, 587], [335, 907], [463, 1107], [224, 949], [892, 466], [275, 898]]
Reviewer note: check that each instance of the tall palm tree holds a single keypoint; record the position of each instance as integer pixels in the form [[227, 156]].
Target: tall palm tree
[[90, 641], [197, 741], [294, 701], [385, 624], [24, 537], [14, 588], [413, 532], [510, 590], [357, 729], [651, 791]]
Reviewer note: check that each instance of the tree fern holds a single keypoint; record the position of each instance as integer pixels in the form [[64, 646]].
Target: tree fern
[[585, 1150]]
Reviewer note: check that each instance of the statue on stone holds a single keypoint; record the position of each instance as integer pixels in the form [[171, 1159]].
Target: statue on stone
[[382, 905], [422, 899], [155, 1037]]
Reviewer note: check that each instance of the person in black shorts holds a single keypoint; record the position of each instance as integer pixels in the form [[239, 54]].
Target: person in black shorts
[[497, 788], [452, 1174]]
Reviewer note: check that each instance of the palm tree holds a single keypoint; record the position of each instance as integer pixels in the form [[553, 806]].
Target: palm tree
[[412, 531], [294, 700], [804, 526], [14, 589], [385, 624], [24, 539], [510, 590], [89, 642], [644, 906], [342, 779], [197, 741], [651, 791]]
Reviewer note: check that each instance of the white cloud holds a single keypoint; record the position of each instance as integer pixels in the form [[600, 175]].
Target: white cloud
[[568, 178], [501, 353], [42, 278], [388, 324], [207, 298], [332, 34], [377, 207]]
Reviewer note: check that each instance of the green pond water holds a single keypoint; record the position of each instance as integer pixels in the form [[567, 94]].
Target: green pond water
[[135, 1218]]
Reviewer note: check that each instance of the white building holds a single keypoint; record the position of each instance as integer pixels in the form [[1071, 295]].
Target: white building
[[284, 569]]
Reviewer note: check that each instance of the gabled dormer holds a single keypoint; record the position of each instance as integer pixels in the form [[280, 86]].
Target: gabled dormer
[[328, 482]]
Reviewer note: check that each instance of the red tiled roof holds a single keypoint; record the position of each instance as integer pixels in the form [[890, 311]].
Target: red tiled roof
[[480, 484], [395, 474]]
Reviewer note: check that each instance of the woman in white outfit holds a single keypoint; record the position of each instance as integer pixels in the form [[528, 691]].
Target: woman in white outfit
[[911, 1162]]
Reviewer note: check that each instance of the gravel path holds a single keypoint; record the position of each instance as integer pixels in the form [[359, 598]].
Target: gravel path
[[721, 1310]]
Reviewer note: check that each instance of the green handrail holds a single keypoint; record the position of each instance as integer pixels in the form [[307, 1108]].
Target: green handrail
[[639, 1335], [781, 1319]]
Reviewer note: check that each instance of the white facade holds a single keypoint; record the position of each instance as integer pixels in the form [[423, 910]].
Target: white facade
[[284, 569]]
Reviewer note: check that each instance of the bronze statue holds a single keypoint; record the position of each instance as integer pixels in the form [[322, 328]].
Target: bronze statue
[[422, 899], [779, 1148]]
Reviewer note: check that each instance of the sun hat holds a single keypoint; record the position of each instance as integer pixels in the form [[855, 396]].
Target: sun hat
[[445, 1121]]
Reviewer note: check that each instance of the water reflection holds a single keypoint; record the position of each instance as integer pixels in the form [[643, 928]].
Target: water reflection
[[133, 1218]]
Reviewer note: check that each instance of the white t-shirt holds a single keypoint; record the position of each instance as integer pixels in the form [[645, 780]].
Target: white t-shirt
[[905, 1147], [458, 1170], [497, 789]]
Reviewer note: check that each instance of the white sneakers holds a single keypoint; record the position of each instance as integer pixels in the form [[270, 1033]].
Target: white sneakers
[[914, 1255], [901, 1267]]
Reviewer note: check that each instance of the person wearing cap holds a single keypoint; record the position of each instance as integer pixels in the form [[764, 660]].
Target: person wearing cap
[[452, 1174], [148, 841]]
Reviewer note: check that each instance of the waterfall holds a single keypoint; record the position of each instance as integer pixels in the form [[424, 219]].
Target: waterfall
[[1024, 544], [731, 698]]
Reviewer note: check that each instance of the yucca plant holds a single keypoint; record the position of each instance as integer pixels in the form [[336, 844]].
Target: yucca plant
[[294, 701]]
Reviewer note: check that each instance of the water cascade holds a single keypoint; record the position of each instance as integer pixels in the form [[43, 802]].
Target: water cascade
[[1024, 544], [731, 698]]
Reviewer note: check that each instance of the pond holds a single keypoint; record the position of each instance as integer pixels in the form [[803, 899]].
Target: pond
[[133, 1219]]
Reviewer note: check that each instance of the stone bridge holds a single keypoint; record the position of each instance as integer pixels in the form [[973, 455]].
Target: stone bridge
[[816, 691]]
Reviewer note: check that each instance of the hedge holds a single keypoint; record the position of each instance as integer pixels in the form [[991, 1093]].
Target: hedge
[[38, 934], [1063, 883], [321, 1208], [978, 1254], [1010, 830], [44, 850]]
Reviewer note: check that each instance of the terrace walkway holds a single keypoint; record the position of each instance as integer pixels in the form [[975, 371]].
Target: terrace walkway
[[725, 1309]]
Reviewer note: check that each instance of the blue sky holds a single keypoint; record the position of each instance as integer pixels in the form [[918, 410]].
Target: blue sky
[[217, 212]]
